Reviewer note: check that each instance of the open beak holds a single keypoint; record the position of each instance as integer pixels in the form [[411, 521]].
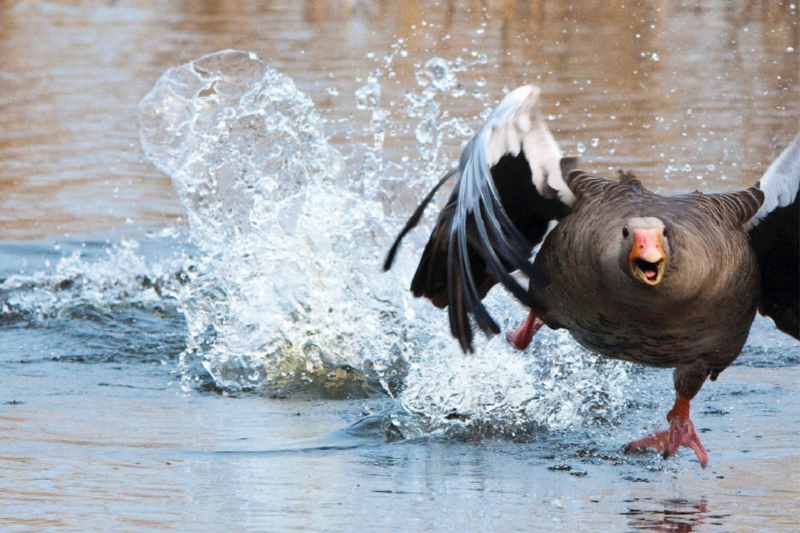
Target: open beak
[[646, 257]]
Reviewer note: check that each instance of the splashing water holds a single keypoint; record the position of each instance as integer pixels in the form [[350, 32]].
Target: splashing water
[[437, 77], [283, 293], [287, 291], [121, 277], [556, 384]]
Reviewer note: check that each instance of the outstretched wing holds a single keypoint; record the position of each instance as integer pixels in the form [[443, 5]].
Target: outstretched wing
[[510, 187], [775, 236]]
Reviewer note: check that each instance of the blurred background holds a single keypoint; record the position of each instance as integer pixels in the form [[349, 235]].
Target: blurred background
[[676, 91]]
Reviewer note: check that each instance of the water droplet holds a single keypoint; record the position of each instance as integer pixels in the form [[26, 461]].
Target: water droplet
[[425, 131], [688, 111], [687, 168], [480, 82], [333, 91], [581, 148], [595, 142], [790, 49], [441, 75], [654, 56], [711, 167], [368, 96], [361, 97]]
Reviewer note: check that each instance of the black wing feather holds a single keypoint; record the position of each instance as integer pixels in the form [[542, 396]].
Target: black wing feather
[[776, 241], [500, 209], [449, 277]]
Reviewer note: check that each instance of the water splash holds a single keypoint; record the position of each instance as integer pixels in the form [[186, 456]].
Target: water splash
[[437, 78], [288, 287], [369, 97], [554, 385], [286, 292], [102, 277], [91, 301]]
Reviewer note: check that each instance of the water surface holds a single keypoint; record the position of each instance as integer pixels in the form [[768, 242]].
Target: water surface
[[99, 427]]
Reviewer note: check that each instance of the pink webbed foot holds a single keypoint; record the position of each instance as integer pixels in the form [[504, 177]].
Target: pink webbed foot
[[523, 335], [680, 433]]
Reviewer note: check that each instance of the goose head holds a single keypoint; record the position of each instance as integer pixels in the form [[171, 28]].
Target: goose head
[[644, 249]]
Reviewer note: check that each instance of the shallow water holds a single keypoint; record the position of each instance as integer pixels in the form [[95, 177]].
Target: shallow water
[[108, 422]]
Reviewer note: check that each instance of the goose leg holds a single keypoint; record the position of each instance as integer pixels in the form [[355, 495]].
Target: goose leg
[[681, 432], [523, 335]]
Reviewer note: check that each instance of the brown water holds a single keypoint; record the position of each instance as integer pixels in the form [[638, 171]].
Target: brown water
[[657, 83], [95, 433]]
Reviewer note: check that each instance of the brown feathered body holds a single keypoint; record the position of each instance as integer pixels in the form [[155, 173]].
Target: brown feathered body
[[702, 309]]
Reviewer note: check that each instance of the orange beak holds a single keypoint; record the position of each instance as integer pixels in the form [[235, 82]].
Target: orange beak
[[646, 257]]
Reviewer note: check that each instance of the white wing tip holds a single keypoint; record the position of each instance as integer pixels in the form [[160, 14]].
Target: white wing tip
[[524, 92], [781, 181]]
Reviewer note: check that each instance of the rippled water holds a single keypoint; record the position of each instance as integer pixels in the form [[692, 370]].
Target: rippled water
[[174, 363]]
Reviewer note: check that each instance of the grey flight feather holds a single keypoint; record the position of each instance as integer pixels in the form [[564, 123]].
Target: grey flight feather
[[515, 126]]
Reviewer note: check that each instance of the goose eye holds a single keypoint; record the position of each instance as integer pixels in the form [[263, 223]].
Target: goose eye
[[664, 233], [625, 232]]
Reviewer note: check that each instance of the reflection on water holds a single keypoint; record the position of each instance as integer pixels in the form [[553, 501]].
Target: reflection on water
[[670, 516]]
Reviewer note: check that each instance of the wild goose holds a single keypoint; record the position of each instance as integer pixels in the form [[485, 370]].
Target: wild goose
[[662, 281]]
